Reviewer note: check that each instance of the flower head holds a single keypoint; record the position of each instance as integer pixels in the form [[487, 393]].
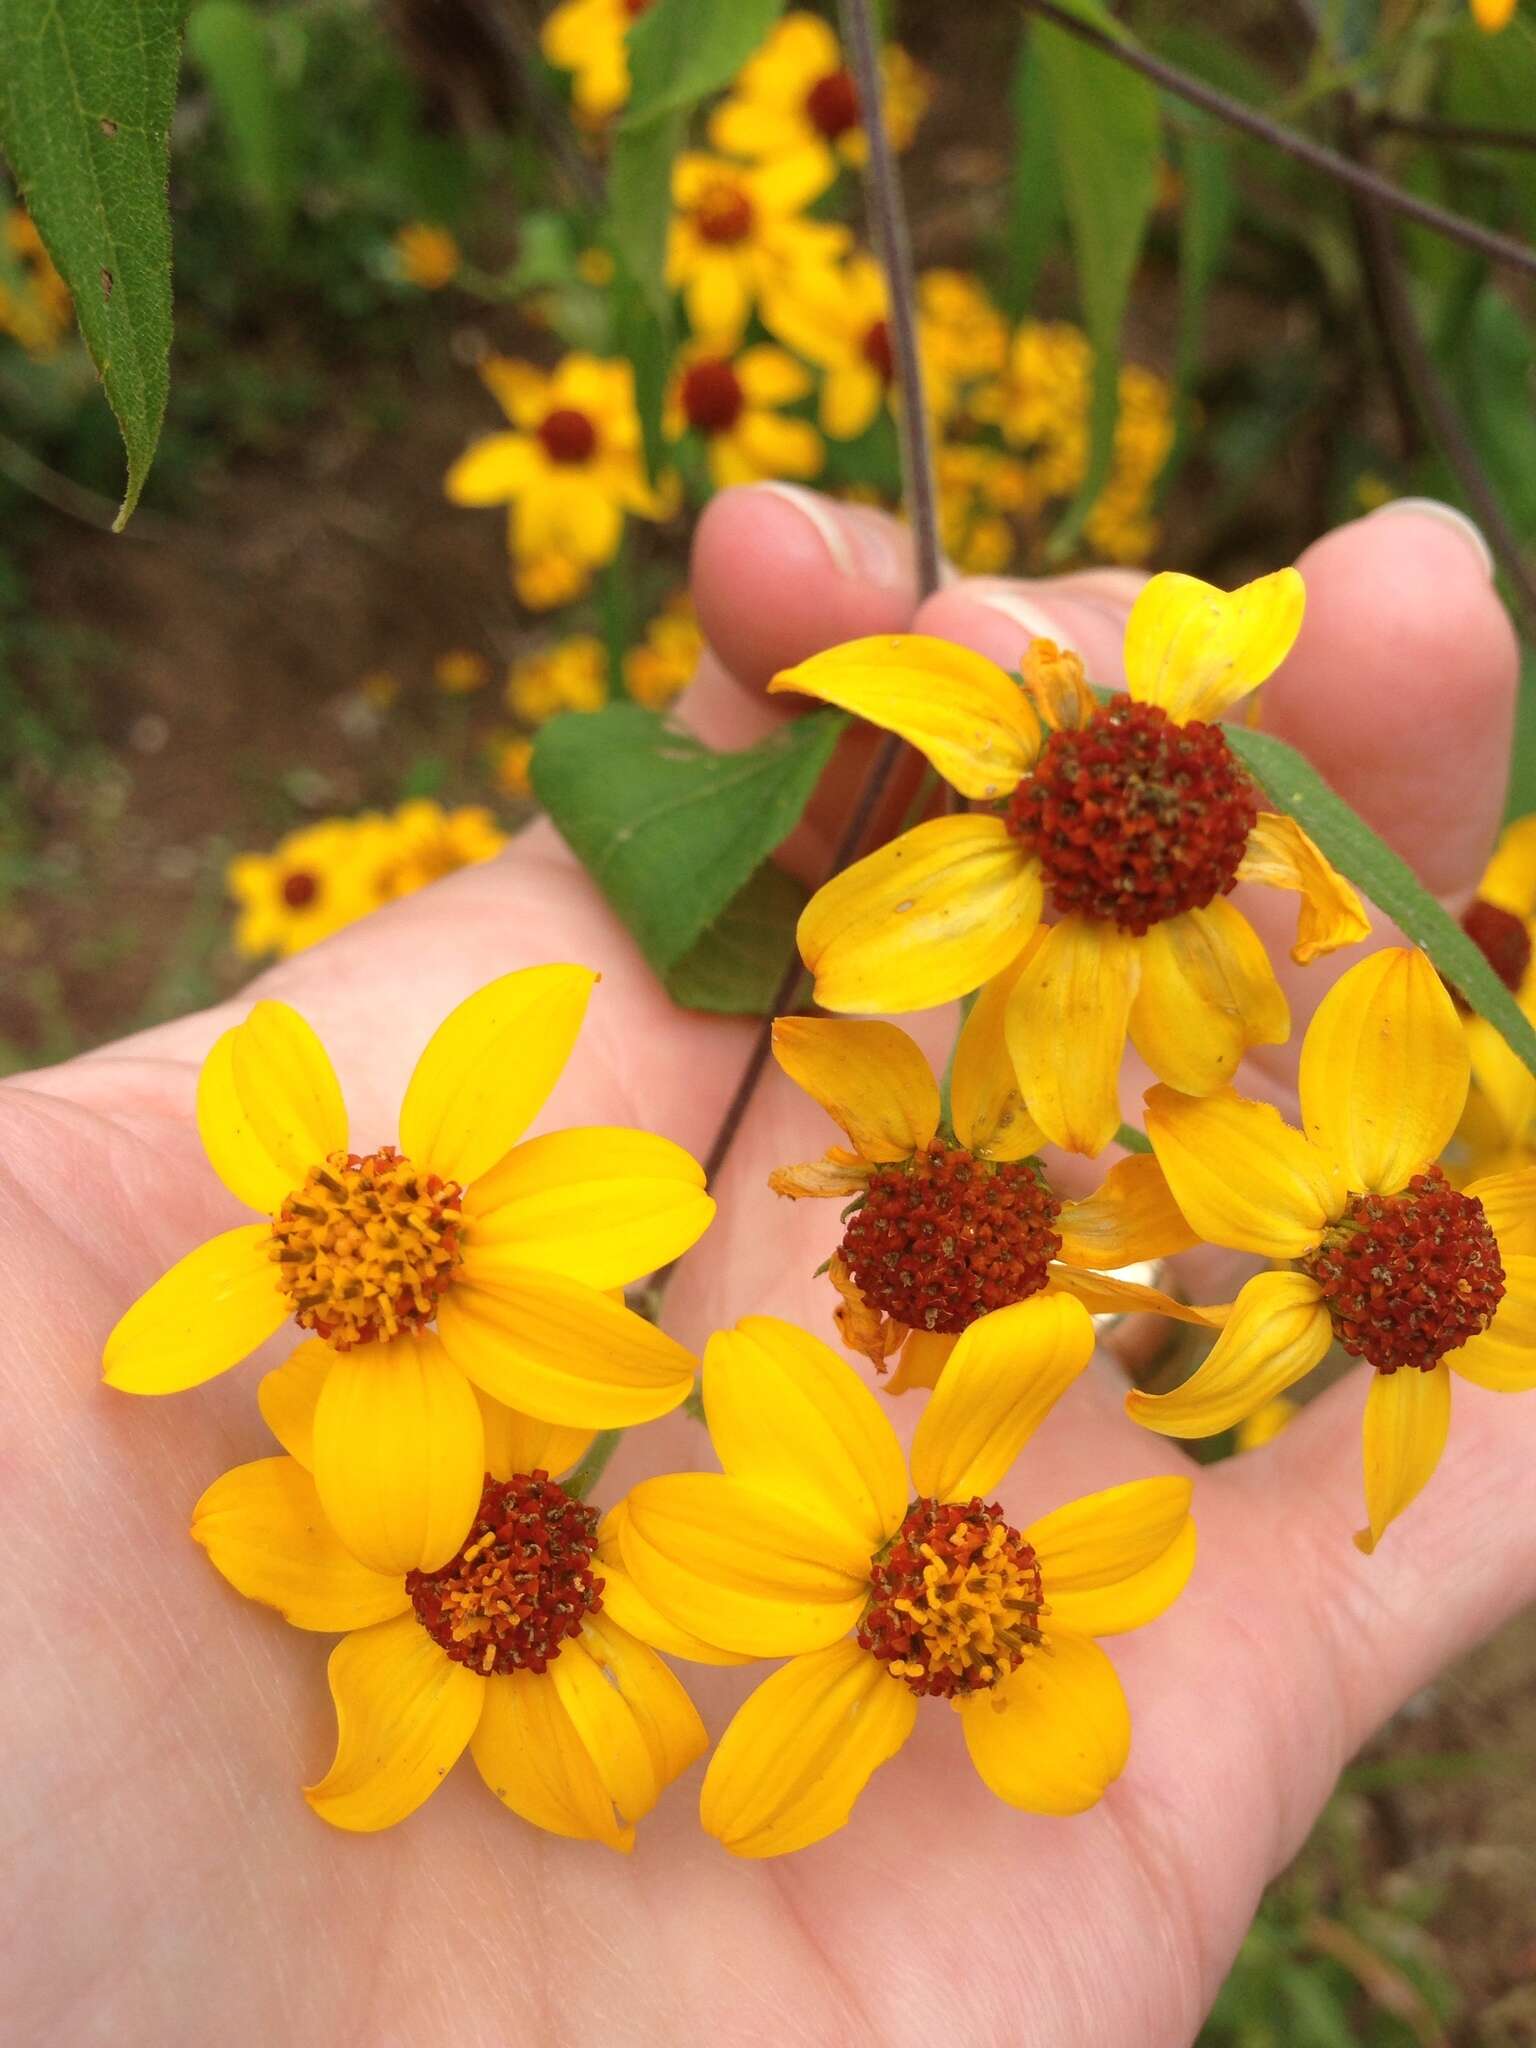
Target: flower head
[[570, 676], [459, 672], [428, 256], [797, 98], [884, 1587], [1493, 15], [461, 1260], [586, 38], [665, 661], [35, 302], [312, 883], [735, 404], [739, 238], [427, 842], [1383, 1256], [1132, 819], [836, 319]]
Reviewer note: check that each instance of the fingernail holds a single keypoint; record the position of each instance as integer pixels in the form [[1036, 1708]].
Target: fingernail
[[862, 544], [1448, 515]]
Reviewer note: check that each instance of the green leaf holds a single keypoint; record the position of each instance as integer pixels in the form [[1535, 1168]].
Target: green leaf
[[737, 967], [1521, 800], [1206, 221], [229, 42], [643, 333], [1108, 131], [1294, 785], [86, 93], [1131, 1140], [670, 832], [1035, 206]]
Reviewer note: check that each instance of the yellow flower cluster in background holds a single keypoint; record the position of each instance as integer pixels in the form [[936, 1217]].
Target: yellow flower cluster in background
[[35, 306], [427, 256]]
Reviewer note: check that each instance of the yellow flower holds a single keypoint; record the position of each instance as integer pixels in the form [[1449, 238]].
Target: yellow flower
[[980, 490], [962, 337], [1492, 15], [428, 256], [733, 404], [947, 1226], [311, 884], [796, 97], [546, 580], [426, 842], [570, 470], [571, 676], [511, 763], [664, 663], [586, 38], [463, 1260], [811, 1546], [1500, 1122], [739, 239], [836, 319], [1147, 944], [508, 1649], [1384, 1256], [38, 310], [460, 671]]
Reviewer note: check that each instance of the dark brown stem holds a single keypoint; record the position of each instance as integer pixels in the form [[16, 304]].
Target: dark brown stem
[[1458, 134]]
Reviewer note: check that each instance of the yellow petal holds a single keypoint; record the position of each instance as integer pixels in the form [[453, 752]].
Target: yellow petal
[[1277, 1331], [801, 1749], [1066, 1030], [787, 1414], [489, 1067], [600, 1206], [924, 1356], [213, 1308], [1131, 1216], [1509, 1203], [869, 1078], [1505, 1085], [667, 1719], [289, 1394], [553, 1348], [1242, 1176], [1509, 880], [492, 471], [1195, 650], [286, 1087], [821, 1179], [607, 1731], [1055, 1735], [244, 1165], [1105, 1294], [1503, 1357], [1058, 686], [961, 711], [264, 1530], [988, 1110], [1384, 1070], [735, 1565], [530, 1755], [625, 1605], [521, 1443], [404, 1714], [1330, 914], [399, 1453], [1407, 1418], [1207, 993], [1003, 1378], [1116, 1559], [925, 919]]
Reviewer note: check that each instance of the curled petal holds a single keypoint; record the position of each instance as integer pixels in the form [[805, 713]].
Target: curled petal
[[1241, 1175], [264, 1530], [1106, 1294], [834, 1176], [1003, 1378], [1194, 650], [1330, 913], [1407, 1418], [404, 1714], [923, 1358], [1206, 994], [1132, 1216], [985, 1102], [1054, 1736], [869, 1077], [869, 1331], [1277, 1331], [1067, 1023], [1058, 687]]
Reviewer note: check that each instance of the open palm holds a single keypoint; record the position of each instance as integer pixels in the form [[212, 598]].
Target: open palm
[[169, 1883]]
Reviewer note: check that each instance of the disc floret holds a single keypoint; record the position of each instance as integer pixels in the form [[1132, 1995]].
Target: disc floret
[[955, 1599]]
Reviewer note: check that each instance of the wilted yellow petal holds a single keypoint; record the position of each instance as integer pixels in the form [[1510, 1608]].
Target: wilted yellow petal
[[1132, 1216], [869, 1077], [1194, 650], [1277, 1331], [1330, 913]]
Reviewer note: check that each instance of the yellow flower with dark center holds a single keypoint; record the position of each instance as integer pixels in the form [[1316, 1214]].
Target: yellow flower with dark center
[[882, 1588], [586, 38], [1500, 1123], [426, 843], [1134, 818], [311, 884], [953, 1225], [796, 97], [1385, 1257], [464, 1260], [509, 1648], [569, 471], [734, 403], [739, 239], [836, 319], [570, 676], [664, 663], [428, 256]]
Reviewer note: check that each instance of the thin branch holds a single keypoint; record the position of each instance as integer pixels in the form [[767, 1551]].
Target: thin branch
[[1459, 134], [1456, 227]]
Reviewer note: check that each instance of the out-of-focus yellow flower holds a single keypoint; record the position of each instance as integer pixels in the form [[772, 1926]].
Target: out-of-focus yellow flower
[[1383, 1256], [1151, 948], [836, 320], [586, 38], [427, 256], [962, 337], [594, 266], [506, 1649], [739, 238], [425, 843], [1266, 1423], [664, 663], [460, 671], [35, 306], [570, 676], [569, 471], [511, 761], [1492, 15], [884, 1584], [981, 491], [311, 884], [1499, 1129], [734, 403], [466, 1262], [796, 97]]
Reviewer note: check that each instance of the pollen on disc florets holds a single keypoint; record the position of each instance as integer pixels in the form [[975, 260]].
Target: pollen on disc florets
[[366, 1246], [955, 1599], [1135, 818], [523, 1583], [1410, 1276], [944, 1238]]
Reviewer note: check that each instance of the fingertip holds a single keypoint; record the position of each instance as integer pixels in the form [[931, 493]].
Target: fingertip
[[999, 618]]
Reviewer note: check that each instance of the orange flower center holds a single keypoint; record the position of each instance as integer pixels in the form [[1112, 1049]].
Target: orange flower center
[[1134, 818], [1503, 938], [568, 435], [300, 889], [832, 105], [877, 350], [955, 1599], [1408, 1277], [712, 397], [943, 1238], [723, 212], [523, 1583], [366, 1246]]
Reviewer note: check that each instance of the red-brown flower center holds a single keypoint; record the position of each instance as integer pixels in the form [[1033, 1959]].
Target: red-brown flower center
[[1410, 1276], [877, 350], [300, 889], [1135, 818], [955, 1599], [712, 396], [1503, 938], [723, 212], [634, 7], [568, 435], [832, 104], [523, 1583], [944, 1238]]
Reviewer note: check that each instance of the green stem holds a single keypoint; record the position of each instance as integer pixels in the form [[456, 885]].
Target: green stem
[[592, 1467]]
